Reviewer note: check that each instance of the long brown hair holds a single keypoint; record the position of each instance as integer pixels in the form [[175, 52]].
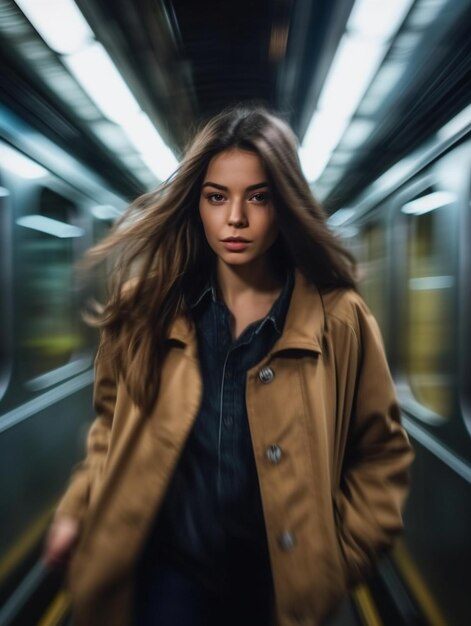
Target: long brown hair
[[161, 246]]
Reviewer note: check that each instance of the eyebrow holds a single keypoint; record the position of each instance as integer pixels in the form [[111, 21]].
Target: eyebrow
[[208, 183]]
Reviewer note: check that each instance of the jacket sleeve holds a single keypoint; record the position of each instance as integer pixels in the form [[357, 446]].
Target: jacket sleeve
[[374, 479], [76, 498]]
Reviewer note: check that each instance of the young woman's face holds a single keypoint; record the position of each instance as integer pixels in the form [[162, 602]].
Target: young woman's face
[[236, 208]]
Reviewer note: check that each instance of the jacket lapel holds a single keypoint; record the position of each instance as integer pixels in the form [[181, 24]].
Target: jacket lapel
[[305, 320]]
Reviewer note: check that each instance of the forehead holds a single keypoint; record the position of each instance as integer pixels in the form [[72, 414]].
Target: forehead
[[236, 166]]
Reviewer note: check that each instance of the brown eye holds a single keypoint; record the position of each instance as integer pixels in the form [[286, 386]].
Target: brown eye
[[261, 197], [215, 197]]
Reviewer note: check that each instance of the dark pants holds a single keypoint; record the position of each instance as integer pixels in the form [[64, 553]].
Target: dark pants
[[169, 598]]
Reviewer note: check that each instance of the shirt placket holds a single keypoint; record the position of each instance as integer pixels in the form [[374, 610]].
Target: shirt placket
[[231, 409], [226, 425], [226, 393]]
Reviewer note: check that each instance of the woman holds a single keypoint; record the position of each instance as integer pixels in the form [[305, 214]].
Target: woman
[[247, 464]]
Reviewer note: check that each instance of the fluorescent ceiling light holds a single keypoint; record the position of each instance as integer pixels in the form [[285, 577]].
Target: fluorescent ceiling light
[[19, 164], [457, 124], [59, 22], [377, 19], [66, 86], [97, 74], [50, 226], [342, 92], [92, 67], [430, 202], [356, 61], [322, 136], [353, 68], [120, 143], [150, 145], [105, 212], [340, 216]]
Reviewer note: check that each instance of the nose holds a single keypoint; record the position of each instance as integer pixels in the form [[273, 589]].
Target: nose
[[237, 216]]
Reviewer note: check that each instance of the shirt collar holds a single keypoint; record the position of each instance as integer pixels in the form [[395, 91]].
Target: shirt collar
[[303, 327], [277, 313], [209, 288]]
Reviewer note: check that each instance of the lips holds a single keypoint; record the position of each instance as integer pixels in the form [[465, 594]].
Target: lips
[[235, 240], [235, 244]]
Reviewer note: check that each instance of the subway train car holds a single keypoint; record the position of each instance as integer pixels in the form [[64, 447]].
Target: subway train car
[[51, 209], [71, 157], [410, 233]]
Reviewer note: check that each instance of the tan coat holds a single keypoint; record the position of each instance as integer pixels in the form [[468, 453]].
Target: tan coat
[[332, 502]]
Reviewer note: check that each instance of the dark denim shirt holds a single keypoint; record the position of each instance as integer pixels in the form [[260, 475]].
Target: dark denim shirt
[[211, 519]]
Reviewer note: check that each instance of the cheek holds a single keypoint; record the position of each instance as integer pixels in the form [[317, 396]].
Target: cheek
[[209, 222]]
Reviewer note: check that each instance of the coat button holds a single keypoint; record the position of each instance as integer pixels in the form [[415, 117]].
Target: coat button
[[287, 541], [266, 375], [274, 453]]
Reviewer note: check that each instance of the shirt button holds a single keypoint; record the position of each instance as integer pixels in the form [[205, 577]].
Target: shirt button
[[274, 453], [287, 541], [266, 375], [228, 420]]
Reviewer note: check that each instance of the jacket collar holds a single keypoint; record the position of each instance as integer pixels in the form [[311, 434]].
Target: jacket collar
[[305, 320], [303, 329]]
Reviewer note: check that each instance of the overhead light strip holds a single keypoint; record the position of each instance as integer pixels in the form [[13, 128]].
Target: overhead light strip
[[362, 48], [63, 27], [430, 202], [59, 22], [49, 226], [96, 72], [19, 164]]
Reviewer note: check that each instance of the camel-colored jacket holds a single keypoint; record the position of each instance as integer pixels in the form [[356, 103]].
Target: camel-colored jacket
[[331, 500]]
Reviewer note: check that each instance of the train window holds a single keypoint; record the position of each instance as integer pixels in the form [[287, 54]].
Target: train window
[[372, 269], [51, 330], [428, 347]]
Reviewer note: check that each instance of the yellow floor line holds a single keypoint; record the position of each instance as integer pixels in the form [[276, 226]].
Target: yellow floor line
[[366, 606], [25, 543], [56, 611], [417, 586]]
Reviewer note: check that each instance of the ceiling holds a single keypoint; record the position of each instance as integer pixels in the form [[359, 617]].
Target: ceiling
[[191, 59], [185, 60]]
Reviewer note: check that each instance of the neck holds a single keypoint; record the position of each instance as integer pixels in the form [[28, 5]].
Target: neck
[[258, 278]]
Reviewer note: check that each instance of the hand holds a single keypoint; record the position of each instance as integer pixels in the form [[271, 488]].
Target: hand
[[61, 540]]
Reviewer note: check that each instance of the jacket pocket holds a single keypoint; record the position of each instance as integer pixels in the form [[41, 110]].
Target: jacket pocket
[[346, 555]]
